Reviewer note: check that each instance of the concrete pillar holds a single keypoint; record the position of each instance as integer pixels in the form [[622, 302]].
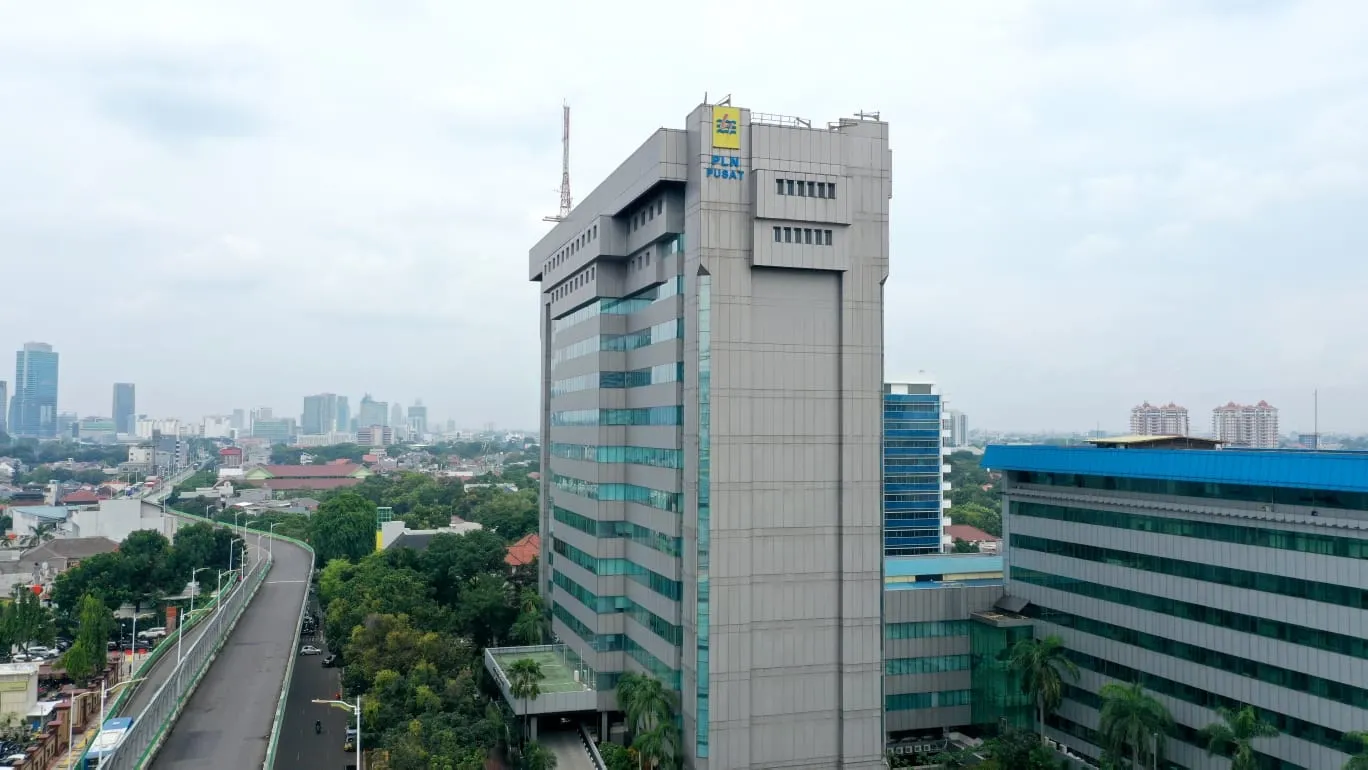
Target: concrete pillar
[[532, 729], [604, 724]]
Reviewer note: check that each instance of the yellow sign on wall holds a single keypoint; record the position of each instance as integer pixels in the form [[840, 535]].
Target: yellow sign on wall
[[727, 128], [14, 685]]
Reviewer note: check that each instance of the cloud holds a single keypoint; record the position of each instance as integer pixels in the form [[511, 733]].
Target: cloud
[[1091, 206]]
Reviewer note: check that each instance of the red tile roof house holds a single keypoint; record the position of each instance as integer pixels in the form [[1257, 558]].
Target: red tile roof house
[[291, 478], [81, 497], [974, 535], [523, 552]]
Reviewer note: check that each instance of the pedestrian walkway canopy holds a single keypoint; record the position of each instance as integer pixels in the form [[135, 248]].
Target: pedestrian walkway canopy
[[566, 686]]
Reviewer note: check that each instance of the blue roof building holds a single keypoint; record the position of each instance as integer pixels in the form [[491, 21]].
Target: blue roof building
[[1215, 578]]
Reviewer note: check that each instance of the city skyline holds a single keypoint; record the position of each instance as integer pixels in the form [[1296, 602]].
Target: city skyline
[[1018, 208]]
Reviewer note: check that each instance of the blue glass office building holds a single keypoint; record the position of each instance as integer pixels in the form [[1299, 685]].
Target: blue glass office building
[[1214, 578], [913, 469], [33, 409]]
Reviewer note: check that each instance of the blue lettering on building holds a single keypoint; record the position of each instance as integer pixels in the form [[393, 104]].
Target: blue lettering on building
[[724, 167]]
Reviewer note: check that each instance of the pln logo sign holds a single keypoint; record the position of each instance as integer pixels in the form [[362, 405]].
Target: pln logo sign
[[727, 128]]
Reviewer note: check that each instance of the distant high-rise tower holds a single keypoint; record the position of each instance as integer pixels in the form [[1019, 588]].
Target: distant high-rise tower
[[125, 407], [33, 409], [372, 412], [1167, 420], [958, 425], [914, 451], [320, 414], [343, 414], [1246, 426], [4, 414], [417, 419]]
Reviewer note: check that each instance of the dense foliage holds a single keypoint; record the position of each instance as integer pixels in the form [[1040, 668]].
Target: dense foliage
[[145, 568], [975, 496], [415, 625], [411, 627]]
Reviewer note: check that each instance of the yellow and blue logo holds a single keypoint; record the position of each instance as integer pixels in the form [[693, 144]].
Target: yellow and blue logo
[[727, 128]]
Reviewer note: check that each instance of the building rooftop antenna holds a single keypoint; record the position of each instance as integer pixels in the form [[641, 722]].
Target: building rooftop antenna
[[565, 201]]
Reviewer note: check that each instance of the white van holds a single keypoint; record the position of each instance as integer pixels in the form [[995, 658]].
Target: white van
[[152, 633]]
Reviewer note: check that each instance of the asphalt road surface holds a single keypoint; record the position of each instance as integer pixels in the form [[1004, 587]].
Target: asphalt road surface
[[143, 691], [569, 750], [300, 748], [227, 723]]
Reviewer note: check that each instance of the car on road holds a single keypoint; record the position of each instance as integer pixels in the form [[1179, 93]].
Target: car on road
[[309, 649], [330, 661]]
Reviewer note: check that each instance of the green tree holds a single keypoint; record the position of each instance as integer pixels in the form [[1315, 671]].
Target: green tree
[[530, 626], [103, 574], [524, 683], [1235, 734], [538, 757], [1042, 665], [657, 745], [484, 612], [86, 656], [617, 757], [1360, 759], [648, 707], [1133, 722], [343, 527], [26, 621], [1018, 750]]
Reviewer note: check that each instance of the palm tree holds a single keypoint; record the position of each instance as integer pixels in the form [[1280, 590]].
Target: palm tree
[[1238, 729], [649, 709], [1360, 760], [1132, 719], [524, 683], [1042, 665]]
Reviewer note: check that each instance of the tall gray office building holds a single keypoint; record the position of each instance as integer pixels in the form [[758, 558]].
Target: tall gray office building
[[125, 407], [320, 414], [712, 366], [4, 402], [33, 409]]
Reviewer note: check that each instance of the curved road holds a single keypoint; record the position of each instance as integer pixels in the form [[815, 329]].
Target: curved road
[[226, 725], [143, 691]]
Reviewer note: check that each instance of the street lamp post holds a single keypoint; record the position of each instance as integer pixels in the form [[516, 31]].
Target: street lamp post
[[71, 725], [180, 638], [270, 542], [218, 595], [354, 709]]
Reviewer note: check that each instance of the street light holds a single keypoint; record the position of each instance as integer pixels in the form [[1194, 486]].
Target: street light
[[270, 543], [353, 709], [218, 594], [104, 694], [180, 638], [71, 725]]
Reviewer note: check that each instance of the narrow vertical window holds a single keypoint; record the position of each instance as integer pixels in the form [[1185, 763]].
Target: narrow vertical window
[[776, 235], [807, 236], [778, 187], [812, 189], [788, 235], [828, 237], [788, 185], [831, 188], [821, 189]]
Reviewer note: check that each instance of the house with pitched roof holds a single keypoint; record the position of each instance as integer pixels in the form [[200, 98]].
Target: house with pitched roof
[[293, 478]]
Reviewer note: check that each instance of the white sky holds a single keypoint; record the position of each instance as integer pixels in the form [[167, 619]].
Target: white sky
[[237, 204]]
